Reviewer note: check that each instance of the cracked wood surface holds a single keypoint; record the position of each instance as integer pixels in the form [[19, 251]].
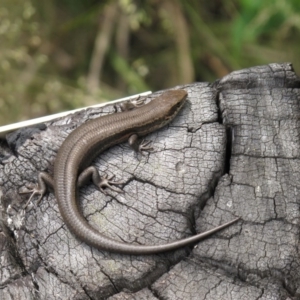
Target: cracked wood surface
[[232, 151]]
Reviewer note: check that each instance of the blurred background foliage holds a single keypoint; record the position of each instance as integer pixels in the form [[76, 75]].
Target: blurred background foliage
[[56, 55]]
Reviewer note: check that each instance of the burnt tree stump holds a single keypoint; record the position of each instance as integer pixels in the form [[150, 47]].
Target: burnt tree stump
[[232, 151]]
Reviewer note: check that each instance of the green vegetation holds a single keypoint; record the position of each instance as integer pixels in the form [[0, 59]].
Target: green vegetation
[[58, 55]]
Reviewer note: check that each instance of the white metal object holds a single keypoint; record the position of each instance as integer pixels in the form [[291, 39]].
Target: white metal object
[[11, 127]]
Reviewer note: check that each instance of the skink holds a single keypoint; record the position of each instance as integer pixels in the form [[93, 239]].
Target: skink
[[88, 141]]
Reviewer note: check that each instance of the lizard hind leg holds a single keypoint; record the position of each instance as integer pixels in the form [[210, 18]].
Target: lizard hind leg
[[102, 182], [44, 180]]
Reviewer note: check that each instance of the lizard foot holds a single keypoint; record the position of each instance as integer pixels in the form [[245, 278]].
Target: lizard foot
[[144, 147], [107, 182], [44, 180], [34, 190]]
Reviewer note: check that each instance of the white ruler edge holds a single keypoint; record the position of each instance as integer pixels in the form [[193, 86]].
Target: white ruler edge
[[8, 128]]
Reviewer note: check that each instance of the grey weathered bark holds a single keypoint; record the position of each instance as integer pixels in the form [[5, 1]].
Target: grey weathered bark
[[232, 151]]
